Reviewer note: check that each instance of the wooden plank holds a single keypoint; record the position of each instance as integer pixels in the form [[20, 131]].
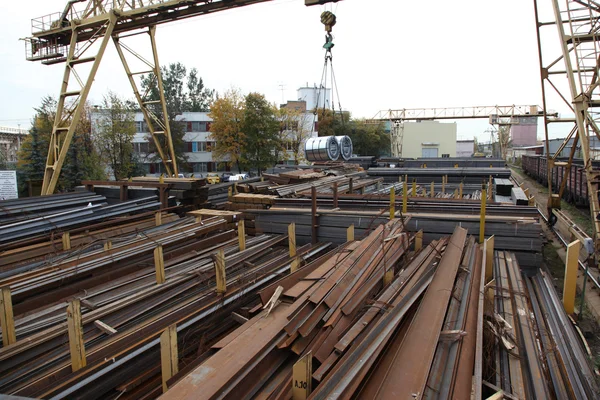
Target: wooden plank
[[570, 282], [489, 258], [419, 240], [7, 320], [350, 233], [109, 330], [169, 359], [66, 241], [242, 235], [220, 272], [159, 264], [302, 378], [75, 328], [292, 239]]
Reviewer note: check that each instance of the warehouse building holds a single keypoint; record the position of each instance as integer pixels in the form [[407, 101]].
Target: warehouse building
[[426, 139]]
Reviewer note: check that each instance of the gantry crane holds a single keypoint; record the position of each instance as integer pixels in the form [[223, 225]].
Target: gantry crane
[[570, 76], [497, 115], [79, 36]]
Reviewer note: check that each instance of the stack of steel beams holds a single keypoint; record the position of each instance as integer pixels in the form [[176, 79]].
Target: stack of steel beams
[[125, 307], [534, 349]]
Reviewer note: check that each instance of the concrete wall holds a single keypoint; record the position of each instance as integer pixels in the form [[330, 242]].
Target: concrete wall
[[425, 137], [465, 148]]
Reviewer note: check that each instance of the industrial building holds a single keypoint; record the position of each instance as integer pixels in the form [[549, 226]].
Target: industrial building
[[10, 143], [426, 139]]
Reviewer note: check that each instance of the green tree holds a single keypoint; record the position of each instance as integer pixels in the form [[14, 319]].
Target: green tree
[[261, 129], [114, 135], [369, 139], [227, 114], [82, 161], [184, 92]]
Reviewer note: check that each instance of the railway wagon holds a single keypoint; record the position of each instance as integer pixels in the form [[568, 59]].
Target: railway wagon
[[576, 187]]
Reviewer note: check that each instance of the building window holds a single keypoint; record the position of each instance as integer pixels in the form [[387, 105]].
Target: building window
[[200, 167]]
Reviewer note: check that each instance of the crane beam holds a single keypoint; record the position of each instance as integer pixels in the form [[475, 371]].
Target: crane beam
[[422, 114]]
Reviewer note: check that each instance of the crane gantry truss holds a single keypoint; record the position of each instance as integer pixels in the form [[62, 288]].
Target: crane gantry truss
[[570, 78], [79, 36]]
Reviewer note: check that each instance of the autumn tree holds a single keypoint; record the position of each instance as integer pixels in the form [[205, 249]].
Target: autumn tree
[[115, 129], [261, 131], [295, 129], [227, 114], [368, 139], [184, 92]]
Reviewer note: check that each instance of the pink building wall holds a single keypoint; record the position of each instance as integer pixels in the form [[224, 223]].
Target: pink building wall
[[525, 132]]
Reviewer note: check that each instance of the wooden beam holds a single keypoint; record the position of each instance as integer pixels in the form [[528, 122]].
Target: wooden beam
[[570, 282], [220, 272], [107, 245], [392, 202], [66, 241], [489, 258], [419, 240], [350, 233], [158, 218], [388, 277], [109, 330], [292, 239], [432, 190], [405, 198], [75, 328], [6, 317], [482, 214], [460, 190], [169, 357], [159, 264], [302, 378], [335, 195], [242, 235]]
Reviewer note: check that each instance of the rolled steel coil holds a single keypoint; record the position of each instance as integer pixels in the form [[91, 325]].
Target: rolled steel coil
[[346, 149], [325, 148]]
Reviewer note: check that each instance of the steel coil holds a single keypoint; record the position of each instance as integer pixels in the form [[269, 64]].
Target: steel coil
[[345, 144], [325, 148]]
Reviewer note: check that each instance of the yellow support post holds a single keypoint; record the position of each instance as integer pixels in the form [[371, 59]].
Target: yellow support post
[[169, 357], [489, 258], [432, 190], [570, 283], [7, 320], [220, 272], [405, 198], [350, 233], [158, 218], [414, 188], [302, 378], [455, 195], [419, 240], [405, 177], [292, 239], [392, 203], [107, 245], [66, 241], [159, 264], [388, 276], [242, 235], [75, 329], [482, 215]]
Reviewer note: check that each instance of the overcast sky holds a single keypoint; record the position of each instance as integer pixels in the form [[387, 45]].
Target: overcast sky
[[388, 54]]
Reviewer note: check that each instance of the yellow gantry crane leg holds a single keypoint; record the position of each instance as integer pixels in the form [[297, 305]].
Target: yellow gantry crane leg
[[158, 127], [71, 103]]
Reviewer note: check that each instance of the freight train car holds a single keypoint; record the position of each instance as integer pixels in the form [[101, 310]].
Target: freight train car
[[576, 187]]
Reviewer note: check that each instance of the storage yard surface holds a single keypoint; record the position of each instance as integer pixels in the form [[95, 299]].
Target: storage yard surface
[[353, 284]]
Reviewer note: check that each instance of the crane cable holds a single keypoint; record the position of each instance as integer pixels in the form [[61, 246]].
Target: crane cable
[[329, 20]]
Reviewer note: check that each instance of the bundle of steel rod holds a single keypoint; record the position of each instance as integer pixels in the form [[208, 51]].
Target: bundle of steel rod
[[534, 350], [357, 202], [454, 175], [360, 324], [17, 253], [12, 211], [191, 287], [42, 226], [514, 229], [440, 191]]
